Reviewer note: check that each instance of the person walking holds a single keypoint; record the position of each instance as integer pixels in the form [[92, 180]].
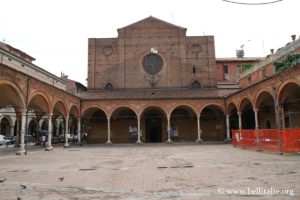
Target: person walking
[[43, 139]]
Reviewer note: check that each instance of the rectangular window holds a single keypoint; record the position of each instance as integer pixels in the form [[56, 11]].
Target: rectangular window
[[263, 73], [238, 69], [225, 69], [225, 74], [194, 70], [249, 80]]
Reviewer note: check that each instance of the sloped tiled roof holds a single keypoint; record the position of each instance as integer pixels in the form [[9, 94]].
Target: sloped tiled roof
[[158, 94], [151, 18]]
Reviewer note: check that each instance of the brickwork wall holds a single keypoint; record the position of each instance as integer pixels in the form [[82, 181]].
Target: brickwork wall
[[37, 87], [273, 85], [119, 60]]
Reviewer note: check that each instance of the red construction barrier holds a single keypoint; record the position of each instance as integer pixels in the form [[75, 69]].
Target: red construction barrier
[[269, 140], [243, 138], [274, 140], [291, 140]]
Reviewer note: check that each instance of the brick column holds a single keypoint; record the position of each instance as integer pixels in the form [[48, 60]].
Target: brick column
[[199, 131], [108, 131], [169, 141], [49, 146], [139, 131], [21, 151]]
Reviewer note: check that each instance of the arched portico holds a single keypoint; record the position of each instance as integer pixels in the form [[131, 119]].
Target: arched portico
[[232, 119], [11, 96], [212, 120], [265, 106], [95, 125], [183, 121], [75, 123], [247, 114], [289, 101], [124, 125], [154, 124]]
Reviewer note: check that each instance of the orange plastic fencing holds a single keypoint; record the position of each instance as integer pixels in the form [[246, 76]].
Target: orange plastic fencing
[[273, 140], [291, 140], [244, 138], [269, 140]]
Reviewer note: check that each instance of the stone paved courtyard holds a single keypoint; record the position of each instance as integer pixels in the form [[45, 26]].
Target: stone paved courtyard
[[151, 171]]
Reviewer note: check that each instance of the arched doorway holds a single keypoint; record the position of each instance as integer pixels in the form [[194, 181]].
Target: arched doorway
[[154, 123], [248, 116], [11, 104], [266, 111], [289, 99], [124, 128], [212, 120], [74, 117], [33, 129], [183, 124], [38, 107], [5, 127], [94, 123], [233, 118]]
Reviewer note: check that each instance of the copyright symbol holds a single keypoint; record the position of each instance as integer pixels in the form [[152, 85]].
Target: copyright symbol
[[221, 190]]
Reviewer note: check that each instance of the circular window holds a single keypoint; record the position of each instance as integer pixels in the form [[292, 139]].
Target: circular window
[[152, 63]]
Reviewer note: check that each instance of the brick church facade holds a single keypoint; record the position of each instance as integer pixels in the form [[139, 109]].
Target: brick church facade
[[121, 61], [153, 73]]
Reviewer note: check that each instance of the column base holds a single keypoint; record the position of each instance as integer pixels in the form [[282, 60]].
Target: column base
[[227, 140], [20, 152], [139, 143], [66, 145], [199, 141], [109, 143], [49, 148], [169, 142]]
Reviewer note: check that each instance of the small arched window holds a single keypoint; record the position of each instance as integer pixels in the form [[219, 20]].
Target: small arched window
[[196, 85], [109, 86]]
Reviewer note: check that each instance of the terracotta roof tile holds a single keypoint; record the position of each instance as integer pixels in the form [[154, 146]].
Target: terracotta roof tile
[[158, 94]]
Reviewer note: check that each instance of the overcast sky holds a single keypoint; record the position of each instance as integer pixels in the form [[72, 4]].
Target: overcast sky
[[56, 32]]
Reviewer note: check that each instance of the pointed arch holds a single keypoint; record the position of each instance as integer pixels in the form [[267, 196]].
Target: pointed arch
[[243, 102], [261, 96], [195, 84], [109, 86]]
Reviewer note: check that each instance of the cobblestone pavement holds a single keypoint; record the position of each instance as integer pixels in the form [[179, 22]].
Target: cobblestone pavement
[[150, 172]]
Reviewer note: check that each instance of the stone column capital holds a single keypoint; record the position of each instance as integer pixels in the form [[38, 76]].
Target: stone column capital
[[23, 111]]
